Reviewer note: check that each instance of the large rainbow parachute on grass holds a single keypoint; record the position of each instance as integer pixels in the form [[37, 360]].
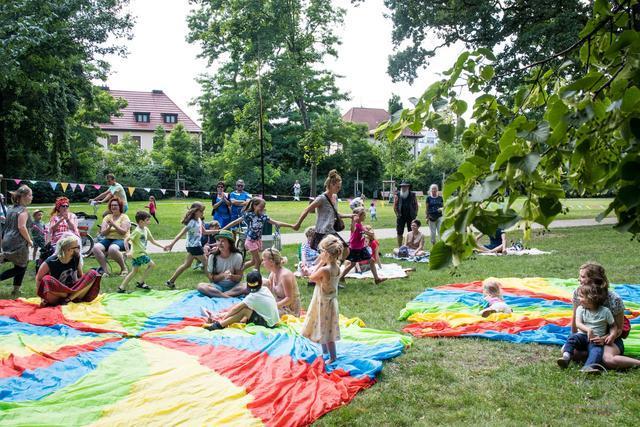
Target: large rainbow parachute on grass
[[542, 311], [145, 359]]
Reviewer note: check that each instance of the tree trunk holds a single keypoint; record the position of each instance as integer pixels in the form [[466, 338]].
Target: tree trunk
[[302, 106], [3, 136]]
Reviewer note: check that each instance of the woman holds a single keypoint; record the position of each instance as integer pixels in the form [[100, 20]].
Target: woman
[[60, 279], [613, 353], [326, 209], [62, 221], [17, 239], [221, 206], [413, 241], [224, 269], [282, 282], [114, 229]]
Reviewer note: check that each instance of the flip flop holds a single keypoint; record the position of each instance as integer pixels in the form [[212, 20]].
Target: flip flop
[[143, 286]]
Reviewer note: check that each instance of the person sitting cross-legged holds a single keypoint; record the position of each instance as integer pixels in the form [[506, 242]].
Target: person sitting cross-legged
[[224, 268]]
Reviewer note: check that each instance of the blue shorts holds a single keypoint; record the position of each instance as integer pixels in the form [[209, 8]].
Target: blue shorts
[[108, 242], [224, 285]]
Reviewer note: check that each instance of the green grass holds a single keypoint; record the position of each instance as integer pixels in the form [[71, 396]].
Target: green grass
[[471, 381], [171, 211]]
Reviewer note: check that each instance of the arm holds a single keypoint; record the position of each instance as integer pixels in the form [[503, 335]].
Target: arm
[[127, 246], [22, 227], [582, 327], [72, 221], [315, 204], [395, 204], [574, 328], [289, 282], [100, 197], [236, 309], [613, 334], [280, 223], [53, 226], [420, 243], [178, 237], [42, 271], [123, 228], [503, 245], [321, 275], [233, 223]]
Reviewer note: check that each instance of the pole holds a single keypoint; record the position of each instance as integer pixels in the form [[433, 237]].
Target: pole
[[261, 135]]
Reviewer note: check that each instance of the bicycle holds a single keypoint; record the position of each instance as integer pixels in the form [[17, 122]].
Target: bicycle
[[85, 224]]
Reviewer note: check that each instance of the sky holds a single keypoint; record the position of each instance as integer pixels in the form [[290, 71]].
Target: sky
[[160, 58]]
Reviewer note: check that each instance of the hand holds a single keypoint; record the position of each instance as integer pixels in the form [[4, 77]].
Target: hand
[[168, 248], [609, 339], [227, 274], [590, 335], [597, 340], [130, 254]]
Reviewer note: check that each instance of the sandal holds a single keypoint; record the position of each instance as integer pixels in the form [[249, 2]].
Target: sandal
[[170, 284], [142, 285], [122, 291], [123, 273]]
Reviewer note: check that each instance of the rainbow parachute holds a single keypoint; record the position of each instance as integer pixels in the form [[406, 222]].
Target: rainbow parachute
[[542, 311], [145, 359]]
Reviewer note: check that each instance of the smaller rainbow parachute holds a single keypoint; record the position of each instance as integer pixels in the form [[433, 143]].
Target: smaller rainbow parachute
[[542, 311], [143, 358]]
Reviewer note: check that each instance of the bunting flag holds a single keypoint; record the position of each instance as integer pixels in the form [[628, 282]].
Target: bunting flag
[[33, 181], [274, 196], [542, 310], [131, 190], [147, 189], [53, 184], [208, 193], [163, 190], [144, 358], [186, 193], [73, 186], [64, 185], [81, 187], [97, 186], [17, 181]]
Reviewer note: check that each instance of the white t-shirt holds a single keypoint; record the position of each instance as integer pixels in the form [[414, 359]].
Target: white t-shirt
[[263, 303], [232, 263]]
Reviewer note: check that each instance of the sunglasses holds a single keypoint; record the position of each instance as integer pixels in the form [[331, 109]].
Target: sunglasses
[[64, 206]]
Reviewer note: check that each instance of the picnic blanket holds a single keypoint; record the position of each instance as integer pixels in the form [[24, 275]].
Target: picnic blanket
[[422, 258], [389, 271], [542, 311], [517, 252], [143, 358]]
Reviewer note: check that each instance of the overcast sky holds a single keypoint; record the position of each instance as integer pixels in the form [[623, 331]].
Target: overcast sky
[[160, 58]]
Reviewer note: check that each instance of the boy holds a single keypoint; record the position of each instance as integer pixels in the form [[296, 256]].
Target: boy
[[209, 244], [38, 232], [136, 247]]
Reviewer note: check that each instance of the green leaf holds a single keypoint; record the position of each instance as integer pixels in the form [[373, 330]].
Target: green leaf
[[556, 112], [446, 132], [505, 155], [507, 138], [551, 189], [440, 256], [539, 135], [416, 126], [629, 196], [486, 52], [582, 83], [469, 170], [630, 99], [487, 221], [624, 40], [530, 163], [484, 190], [601, 7], [452, 183], [634, 126], [630, 170], [487, 72], [549, 206], [459, 107]]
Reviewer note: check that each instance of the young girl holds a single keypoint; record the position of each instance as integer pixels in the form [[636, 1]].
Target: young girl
[[372, 212], [321, 323], [195, 229], [308, 255], [152, 208], [357, 247], [136, 246], [373, 246], [255, 218], [493, 295], [38, 233], [16, 239]]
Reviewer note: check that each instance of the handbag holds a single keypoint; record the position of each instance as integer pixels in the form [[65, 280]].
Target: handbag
[[626, 327], [338, 224]]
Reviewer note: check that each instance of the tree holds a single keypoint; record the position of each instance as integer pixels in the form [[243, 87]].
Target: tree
[[125, 159], [280, 43], [49, 55], [523, 31], [397, 156], [180, 150], [582, 130], [394, 104], [434, 163]]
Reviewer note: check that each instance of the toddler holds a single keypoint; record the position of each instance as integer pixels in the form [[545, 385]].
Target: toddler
[[38, 232], [492, 292]]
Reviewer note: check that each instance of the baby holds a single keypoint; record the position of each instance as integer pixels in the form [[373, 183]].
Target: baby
[[493, 295]]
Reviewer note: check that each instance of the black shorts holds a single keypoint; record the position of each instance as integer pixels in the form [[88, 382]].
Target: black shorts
[[317, 238], [258, 320], [195, 250], [403, 222], [357, 255]]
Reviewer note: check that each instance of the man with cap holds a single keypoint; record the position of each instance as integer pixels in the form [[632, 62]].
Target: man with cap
[[224, 269], [258, 307], [405, 205], [239, 199]]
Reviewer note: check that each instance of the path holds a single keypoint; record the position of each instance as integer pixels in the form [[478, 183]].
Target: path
[[389, 233]]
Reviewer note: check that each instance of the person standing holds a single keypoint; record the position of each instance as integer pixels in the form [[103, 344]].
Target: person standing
[[239, 199], [405, 206], [115, 190], [17, 239], [221, 205], [296, 191], [435, 203]]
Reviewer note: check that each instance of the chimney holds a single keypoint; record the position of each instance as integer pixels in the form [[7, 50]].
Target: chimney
[[157, 91]]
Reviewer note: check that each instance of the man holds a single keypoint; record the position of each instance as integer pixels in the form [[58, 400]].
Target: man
[[358, 202], [497, 243], [115, 190], [296, 191], [435, 203], [239, 199], [405, 206]]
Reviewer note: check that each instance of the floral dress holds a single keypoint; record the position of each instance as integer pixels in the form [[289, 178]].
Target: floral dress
[[321, 324]]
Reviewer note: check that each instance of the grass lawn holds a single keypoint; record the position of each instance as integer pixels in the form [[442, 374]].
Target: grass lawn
[[471, 381], [171, 211]]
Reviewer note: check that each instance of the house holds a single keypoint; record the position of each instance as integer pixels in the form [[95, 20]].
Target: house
[[373, 117], [143, 114]]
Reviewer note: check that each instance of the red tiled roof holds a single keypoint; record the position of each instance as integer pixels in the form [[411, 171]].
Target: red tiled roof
[[156, 103], [373, 117]]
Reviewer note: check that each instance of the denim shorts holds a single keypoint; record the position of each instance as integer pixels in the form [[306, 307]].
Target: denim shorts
[[224, 285], [108, 242]]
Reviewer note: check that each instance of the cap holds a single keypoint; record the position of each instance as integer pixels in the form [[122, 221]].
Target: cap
[[225, 234], [254, 286], [405, 184]]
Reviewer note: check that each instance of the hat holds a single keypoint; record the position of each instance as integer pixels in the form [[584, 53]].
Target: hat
[[405, 183], [38, 211], [225, 234]]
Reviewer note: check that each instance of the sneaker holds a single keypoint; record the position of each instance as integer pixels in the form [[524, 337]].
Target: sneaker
[[198, 265], [170, 284], [564, 361], [214, 326]]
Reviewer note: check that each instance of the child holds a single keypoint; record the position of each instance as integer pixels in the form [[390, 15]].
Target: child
[[258, 307], [308, 255], [136, 247], [373, 246], [193, 227], [321, 323], [255, 218], [357, 246], [38, 232], [372, 212], [592, 320], [208, 242], [152, 208], [493, 295]]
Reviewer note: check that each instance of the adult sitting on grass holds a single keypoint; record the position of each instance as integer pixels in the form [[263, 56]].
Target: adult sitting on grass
[[258, 307], [497, 243], [413, 242], [282, 282], [613, 357], [224, 269], [60, 279], [114, 229]]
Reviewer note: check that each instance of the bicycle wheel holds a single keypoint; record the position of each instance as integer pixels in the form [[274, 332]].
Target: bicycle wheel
[[87, 245]]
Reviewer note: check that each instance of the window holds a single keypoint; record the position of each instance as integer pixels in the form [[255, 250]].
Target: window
[[136, 140], [142, 117], [170, 118], [113, 139]]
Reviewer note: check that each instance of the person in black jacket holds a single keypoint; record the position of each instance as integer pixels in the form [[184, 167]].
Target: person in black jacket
[[405, 205]]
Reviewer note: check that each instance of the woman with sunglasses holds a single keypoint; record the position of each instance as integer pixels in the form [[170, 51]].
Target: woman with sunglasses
[[114, 229], [60, 279], [62, 221]]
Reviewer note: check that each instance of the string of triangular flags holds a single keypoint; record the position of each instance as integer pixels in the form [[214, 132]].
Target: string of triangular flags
[[74, 186]]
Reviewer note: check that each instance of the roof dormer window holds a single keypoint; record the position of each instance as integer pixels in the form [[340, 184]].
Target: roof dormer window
[[142, 117], [170, 117]]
